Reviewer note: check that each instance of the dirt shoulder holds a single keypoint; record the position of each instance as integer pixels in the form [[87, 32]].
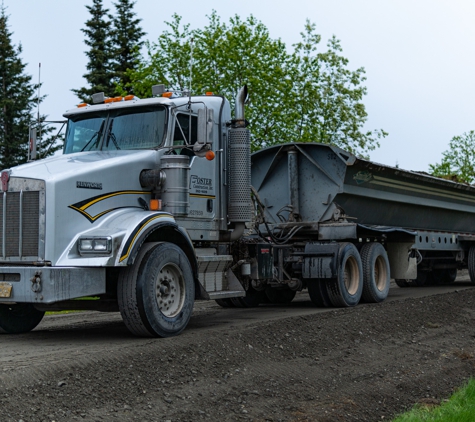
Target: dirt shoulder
[[365, 363]]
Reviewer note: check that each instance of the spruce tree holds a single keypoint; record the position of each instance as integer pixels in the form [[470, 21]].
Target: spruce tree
[[100, 66], [16, 100], [127, 40]]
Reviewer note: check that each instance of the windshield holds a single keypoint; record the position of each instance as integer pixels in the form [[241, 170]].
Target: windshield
[[139, 128]]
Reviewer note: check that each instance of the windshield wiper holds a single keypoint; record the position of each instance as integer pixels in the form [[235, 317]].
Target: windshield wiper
[[97, 135], [111, 136]]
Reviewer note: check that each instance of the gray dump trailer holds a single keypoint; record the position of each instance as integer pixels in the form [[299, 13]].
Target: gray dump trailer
[[157, 202], [342, 226]]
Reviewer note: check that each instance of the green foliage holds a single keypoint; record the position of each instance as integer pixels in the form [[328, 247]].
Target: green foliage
[[100, 54], [458, 162], [460, 408], [126, 42], [114, 43], [303, 96], [329, 108], [17, 101]]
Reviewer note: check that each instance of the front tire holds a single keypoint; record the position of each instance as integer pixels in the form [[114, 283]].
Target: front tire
[[19, 318], [156, 294]]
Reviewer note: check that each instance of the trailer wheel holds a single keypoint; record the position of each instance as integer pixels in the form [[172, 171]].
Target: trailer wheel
[[280, 296], [156, 295], [19, 318], [471, 263], [317, 290], [346, 289], [445, 276], [424, 279], [375, 272], [402, 282]]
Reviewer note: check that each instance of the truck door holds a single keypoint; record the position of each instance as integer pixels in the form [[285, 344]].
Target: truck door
[[202, 185]]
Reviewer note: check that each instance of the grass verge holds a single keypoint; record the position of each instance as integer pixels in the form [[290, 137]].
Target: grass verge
[[459, 408]]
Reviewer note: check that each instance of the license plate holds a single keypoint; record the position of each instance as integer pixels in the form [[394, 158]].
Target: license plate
[[6, 289]]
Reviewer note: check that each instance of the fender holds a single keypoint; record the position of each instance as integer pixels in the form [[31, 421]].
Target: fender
[[154, 229]]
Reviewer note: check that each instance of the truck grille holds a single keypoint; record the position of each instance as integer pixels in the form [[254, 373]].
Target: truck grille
[[19, 225], [20, 232]]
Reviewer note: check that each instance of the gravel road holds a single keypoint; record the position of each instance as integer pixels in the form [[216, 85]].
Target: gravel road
[[272, 363]]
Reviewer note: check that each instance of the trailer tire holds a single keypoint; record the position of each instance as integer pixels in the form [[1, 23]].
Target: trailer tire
[[19, 318], [376, 272], [317, 290], [471, 263], [402, 282], [424, 279], [445, 276], [161, 292], [280, 296], [345, 290]]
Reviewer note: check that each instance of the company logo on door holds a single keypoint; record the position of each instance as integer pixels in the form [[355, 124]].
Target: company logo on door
[[201, 184]]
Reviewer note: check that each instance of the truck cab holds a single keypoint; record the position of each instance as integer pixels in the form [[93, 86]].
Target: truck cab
[[137, 178]]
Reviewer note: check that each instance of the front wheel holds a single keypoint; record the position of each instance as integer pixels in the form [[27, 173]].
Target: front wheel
[[156, 294], [19, 318]]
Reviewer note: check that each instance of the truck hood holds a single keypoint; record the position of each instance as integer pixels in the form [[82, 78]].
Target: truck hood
[[83, 163]]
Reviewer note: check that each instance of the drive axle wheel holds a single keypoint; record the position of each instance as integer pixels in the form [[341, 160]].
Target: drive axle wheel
[[225, 303], [19, 318], [280, 296], [317, 290]]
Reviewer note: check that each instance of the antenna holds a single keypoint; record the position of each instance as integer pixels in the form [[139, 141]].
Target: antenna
[[38, 115], [191, 70]]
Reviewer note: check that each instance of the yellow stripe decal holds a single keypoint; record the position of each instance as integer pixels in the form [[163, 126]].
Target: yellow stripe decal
[[131, 241], [194, 195]]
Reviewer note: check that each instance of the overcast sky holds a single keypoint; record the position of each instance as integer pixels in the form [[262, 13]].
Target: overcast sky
[[418, 56]]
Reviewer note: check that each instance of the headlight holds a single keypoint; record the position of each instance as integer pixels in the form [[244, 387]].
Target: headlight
[[98, 245]]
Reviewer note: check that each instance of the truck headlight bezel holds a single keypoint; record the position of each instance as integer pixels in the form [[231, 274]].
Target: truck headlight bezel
[[96, 245]]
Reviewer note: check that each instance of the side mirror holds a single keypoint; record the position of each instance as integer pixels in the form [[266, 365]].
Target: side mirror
[[205, 131]]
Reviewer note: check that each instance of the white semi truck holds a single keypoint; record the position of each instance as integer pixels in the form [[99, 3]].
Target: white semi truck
[[152, 206]]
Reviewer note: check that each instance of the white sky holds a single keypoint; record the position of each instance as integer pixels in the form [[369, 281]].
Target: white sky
[[418, 56]]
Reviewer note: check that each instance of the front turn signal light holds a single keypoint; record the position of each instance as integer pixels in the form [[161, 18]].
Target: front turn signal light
[[155, 205], [210, 155]]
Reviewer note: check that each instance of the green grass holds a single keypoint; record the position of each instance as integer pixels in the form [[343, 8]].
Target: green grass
[[72, 311], [459, 408]]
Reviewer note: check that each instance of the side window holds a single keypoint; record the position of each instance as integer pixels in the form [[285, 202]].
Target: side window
[[182, 134]]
